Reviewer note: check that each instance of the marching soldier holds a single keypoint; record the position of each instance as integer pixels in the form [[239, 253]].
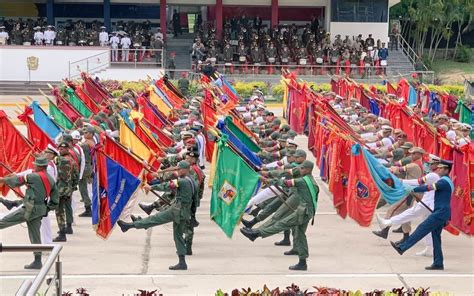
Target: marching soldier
[[41, 196], [179, 212], [87, 147]]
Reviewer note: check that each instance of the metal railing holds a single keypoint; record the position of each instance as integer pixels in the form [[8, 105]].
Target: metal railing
[[410, 52], [92, 64], [30, 287], [137, 57]]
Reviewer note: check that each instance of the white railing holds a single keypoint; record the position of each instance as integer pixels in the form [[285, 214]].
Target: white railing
[[90, 65], [410, 52], [31, 287]]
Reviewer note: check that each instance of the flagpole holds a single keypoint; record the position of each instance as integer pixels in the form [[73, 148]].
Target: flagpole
[[19, 193]]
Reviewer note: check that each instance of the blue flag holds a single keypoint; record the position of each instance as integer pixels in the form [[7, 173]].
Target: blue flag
[[379, 173], [44, 122], [412, 97], [112, 188]]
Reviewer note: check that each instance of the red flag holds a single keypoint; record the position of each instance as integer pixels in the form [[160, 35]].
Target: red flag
[[63, 105], [163, 138], [462, 213], [147, 138], [149, 113], [37, 136], [362, 193], [339, 172], [118, 153], [88, 101], [93, 89], [210, 118], [297, 109], [390, 89]]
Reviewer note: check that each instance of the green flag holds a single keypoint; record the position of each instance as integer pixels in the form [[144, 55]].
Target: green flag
[[233, 186], [465, 114], [241, 135], [59, 117], [77, 103]]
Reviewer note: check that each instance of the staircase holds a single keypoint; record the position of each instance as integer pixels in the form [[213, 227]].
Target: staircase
[[23, 88], [182, 47], [398, 63]]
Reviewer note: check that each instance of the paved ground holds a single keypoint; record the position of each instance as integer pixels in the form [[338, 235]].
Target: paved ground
[[342, 255]]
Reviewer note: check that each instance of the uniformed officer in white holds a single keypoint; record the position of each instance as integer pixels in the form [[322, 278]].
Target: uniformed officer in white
[[38, 36], [3, 36], [103, 37], [125, 42], [114, 43], [49, 35]]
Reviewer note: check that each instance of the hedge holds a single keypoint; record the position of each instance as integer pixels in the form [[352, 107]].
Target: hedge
[[245, 89]]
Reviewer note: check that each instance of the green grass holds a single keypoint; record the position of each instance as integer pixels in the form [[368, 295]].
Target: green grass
[[445, 67]]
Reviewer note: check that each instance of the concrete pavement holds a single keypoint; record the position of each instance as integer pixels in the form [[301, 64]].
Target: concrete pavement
[[342, 255]]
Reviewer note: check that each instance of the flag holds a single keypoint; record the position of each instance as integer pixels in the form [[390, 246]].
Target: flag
[[362, 193], [239, 145], [233, 186], [79, 105], [144, 134], [159, 135], [59, 117], [44, 122], [412, 96], [16, 152], [390, 89], [36, 135], [239, 134], [150, 112], [130, 140], [112, 188], [461, 204], [63, 105], [94, 89], [158, 101], [88, 101], [119, 153]]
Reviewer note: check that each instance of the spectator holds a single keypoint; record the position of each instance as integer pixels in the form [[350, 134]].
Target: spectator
[[114, 44], [383, 55], [49, 36], [125, 42], [176, 24], [103, 37], [38, 36], [3, 36]]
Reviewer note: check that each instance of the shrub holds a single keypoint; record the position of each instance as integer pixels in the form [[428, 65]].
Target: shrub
[[464, 55]]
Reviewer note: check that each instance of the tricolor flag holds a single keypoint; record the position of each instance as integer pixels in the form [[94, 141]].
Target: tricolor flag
[[45, 122], [112, 188], [235, 182]]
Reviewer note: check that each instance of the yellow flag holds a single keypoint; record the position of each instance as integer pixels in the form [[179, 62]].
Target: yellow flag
[[136, 115], [212, 171], [158, 102], [132, 142]]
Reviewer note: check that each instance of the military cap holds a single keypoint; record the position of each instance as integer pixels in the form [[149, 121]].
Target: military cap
[[63, 145], [275, 135], [195, 112], [397, 131], [291, 134], [185, 105], [290, 153], [387, 128], [407, 145], [300, 153], [417, 150], [40, 161], [307, 165], [89, 129], [434, 159], [51, 149], [183, 164], [185, 134], [67, 138], [266, 112], [192, 153], [285, 127], [102, 114], [2, 27], [276, 121], [466, 127], [291, 142], [198, 124], [283, 138], [442, 116], [445, 164], [76, 135], [398, 154]]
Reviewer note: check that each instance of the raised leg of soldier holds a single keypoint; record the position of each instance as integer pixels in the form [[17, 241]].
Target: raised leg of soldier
[[163, 217], [13, 218]]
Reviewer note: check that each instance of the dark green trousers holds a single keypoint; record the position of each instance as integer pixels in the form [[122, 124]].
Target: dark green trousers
[[83, 189], [17, 217], [170, 214], [64, 211]]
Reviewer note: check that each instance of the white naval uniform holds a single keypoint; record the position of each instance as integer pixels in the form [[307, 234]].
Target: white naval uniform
[[49, 36], [202, 149], [4, 38], [39, 36], [125, 42], [103, 38], [114, 43], [419, 210]]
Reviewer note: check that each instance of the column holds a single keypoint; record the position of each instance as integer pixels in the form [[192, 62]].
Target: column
[[274, 13], [163, 18], [107, 22], [327, 17], [50, 12], [219, 21]]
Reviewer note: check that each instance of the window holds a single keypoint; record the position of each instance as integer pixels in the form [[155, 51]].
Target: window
[[363, 11]]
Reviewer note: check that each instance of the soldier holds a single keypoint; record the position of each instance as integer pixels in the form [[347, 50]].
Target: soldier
[[38, 37], [17, 35], [49, 36], [306, 190], [87, 146], [67, 182], [114, 44], [183, 83], [228, 53], [3, 36], [103, 37], [125, 42], [61, 36], [179, 212], [41, 196]]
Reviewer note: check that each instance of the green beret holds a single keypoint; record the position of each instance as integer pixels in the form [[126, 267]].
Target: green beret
[[183, 164], [67, 138], [283, 138], [307, 165], [63, 145], [285, 127], [290, 153], [276, 121], [89, 129], [275, 135], [41, 161], [300, 153]]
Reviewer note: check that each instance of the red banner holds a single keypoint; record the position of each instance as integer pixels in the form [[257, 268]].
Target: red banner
[[461, 207], [37, 136], [121, 155]]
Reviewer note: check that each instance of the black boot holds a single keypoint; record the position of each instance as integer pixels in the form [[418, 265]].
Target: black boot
[[181, 264], [405, 237], [382, 233], [36, 264], [249, 233], [124, 226], [189, 249], [62, 236], [194, 222], [285, 241], [87, 212], [397, 248], [147, 208], [249, 224], [300, 266], [8, 203], [255, 211], [135, 218], [69, 228], [398, 230], [290, 252]]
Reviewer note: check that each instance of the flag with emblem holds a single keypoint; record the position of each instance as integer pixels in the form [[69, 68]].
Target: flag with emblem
[[235, 182]]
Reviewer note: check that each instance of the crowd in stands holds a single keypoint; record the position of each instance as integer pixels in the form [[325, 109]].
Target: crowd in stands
[[246, 42], [128, 35]]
